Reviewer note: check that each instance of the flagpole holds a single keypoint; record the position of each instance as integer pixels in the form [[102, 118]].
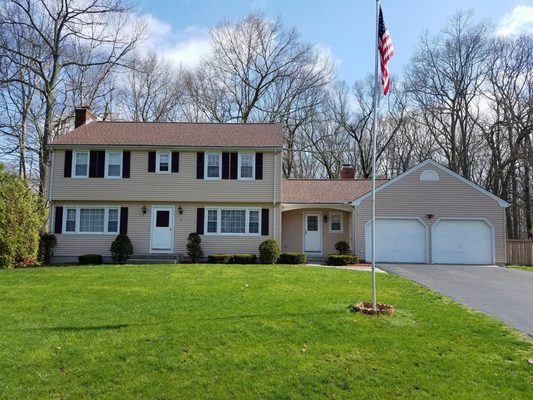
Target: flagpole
[[374, 129]]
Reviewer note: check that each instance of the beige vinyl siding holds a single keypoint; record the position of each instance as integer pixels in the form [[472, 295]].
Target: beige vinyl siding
[[72, 245], [146, 186], [293, 225], [447, 198]]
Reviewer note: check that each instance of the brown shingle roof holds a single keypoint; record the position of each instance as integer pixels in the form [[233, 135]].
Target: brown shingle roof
[[174, 134], [325, 190]]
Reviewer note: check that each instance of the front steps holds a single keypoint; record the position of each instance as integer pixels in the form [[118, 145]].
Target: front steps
[[154, 259]]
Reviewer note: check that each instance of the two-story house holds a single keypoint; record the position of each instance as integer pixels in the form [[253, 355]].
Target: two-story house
[[158, 182]]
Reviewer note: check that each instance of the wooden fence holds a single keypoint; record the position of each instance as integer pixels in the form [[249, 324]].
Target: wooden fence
[[520, 252]]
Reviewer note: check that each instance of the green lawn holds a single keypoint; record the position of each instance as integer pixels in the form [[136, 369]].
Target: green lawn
[[245, 332], [522, 267]]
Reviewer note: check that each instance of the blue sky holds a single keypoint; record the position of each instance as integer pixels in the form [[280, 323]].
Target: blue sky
[[178, 29]]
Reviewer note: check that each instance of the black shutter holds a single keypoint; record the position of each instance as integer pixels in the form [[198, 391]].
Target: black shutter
[[175, 161], [200, 165], [93, 164], [126, 160], [258, 166], [200, 212], [234, 165], [124, 220], [67, 173], [100, 170], [225, 165], [264, 221], [58, 220], [151, 161]]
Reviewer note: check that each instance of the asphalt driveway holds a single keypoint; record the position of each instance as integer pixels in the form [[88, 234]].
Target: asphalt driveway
[[506, 294]]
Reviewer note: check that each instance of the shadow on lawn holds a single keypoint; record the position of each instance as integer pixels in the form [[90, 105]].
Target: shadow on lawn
[[82, 328]]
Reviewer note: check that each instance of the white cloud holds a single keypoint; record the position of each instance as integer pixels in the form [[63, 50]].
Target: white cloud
[[185, 47], [518, 21]]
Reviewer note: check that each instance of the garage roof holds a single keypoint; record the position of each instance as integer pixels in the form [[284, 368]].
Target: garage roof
[[325, 191], [501, 202]]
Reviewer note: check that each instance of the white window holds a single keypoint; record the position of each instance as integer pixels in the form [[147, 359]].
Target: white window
[[163, 162], [253, 223], [212, 221], [213, 164], [91, 220], [80, 165], [70, 220], [247, 166], [335, 223], [113, 167], [233, 221], [112, 220]]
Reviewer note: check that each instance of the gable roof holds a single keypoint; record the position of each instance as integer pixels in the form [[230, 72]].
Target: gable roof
[[174, 134], [501, 202], [324, 191]]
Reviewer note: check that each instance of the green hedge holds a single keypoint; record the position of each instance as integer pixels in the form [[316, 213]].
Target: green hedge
[[219, 258], [90, 259], [292, 258], [340, 259], [269, 251], [244, 259], [232, 258]]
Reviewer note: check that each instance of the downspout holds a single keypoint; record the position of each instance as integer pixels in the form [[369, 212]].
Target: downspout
[[51, 171], [274, 169]]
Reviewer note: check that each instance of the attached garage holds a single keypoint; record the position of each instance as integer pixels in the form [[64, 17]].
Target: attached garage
[[462, 241], [464, 223], [397, 240]]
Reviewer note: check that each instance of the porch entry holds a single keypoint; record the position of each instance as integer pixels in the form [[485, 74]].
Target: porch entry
[[312, 233], [162, 229]]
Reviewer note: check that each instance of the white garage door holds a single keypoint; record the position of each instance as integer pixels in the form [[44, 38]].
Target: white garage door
[[397, 240], [462, 242]]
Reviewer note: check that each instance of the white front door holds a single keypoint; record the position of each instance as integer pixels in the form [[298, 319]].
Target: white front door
[[312, 233], [162, 227]]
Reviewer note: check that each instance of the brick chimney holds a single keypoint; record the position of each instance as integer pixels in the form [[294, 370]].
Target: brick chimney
[[82, 116], [347, 172]]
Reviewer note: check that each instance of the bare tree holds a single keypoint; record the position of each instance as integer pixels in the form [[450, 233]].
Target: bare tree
[[65, 32], [152, 90], [444, 81]]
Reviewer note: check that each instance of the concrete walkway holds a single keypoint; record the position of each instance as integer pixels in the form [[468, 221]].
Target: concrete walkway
[[506, 294]]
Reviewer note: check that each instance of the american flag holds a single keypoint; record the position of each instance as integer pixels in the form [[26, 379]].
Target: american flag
[[386, 52]]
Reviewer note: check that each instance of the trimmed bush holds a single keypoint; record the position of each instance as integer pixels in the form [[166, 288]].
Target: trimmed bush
[[244, 259], [292, 258], [86, 259], [232, 258], [342, 259], [47, 242], [219, 258], [194, 247], [343, 247], [269, 251], [121, 249]]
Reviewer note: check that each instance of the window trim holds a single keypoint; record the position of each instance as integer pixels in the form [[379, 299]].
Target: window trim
[[331, 222], [239, 177], [206, 166], [219, 221], [158, 162], [73, 172], [77, 223], [106, 166]]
